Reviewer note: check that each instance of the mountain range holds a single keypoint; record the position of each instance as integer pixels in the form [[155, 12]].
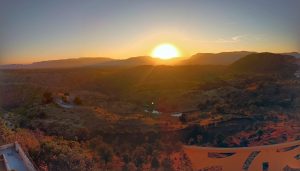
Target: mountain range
[[223, 58]]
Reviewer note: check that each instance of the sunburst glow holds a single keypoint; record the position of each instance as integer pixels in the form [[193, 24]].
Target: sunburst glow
[[165, 51]]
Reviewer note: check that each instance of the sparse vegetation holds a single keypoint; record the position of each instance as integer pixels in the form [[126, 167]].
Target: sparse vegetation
[[106, 120]]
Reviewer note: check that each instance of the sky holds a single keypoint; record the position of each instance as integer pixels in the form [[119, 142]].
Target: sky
[[35, 30]]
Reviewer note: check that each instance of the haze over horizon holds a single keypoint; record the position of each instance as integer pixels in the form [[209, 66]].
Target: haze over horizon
[[34, 31], [181, 58]]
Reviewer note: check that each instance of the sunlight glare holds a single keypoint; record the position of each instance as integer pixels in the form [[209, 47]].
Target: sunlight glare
[[165, 51]]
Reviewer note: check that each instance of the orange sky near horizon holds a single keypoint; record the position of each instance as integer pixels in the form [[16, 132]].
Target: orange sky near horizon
[[37, 30]]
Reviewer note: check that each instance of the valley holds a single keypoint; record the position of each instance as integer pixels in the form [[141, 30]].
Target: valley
[[98, 111]]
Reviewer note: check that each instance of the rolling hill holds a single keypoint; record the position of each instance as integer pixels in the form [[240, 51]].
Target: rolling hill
[[265, 63], [93, 62], [224, 58], [61, 63], [133, 61]]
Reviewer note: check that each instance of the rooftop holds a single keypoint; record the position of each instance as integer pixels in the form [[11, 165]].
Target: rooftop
[[12, 157]]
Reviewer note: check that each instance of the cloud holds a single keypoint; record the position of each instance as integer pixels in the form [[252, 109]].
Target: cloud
[[234, 39]]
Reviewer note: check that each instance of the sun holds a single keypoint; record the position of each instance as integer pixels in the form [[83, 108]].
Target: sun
[[165, 51]]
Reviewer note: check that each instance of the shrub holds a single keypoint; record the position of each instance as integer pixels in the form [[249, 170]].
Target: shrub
[[155, 163], [47, 97], [77, 101]]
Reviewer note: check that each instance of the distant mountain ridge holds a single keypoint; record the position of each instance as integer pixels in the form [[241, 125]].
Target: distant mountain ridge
[[223, 58], [142, 60], [266, 63], [60, 63], [133, 61], [93, 62], [71, 62]]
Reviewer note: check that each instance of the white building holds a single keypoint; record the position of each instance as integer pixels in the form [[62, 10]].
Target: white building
[[12, 157]]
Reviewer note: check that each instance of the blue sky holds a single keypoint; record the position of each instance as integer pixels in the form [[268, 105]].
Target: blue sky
[[33, 30]]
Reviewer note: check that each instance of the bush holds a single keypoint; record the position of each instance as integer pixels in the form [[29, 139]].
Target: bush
[[77, 101], [42, 115], [155, 163], [105, 152], [47, 97], [167, 164]]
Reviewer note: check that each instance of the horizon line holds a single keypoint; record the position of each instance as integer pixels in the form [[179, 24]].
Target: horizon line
[[86, 57]]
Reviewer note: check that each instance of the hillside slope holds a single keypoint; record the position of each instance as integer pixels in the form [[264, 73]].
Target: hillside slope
[[61, 63], [265, 63], [224, 58]]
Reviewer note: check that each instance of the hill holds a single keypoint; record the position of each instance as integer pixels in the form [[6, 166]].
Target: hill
[[265, 63], [133, 61], [142, 60], [93, 62], [224, 58], [61, 63]]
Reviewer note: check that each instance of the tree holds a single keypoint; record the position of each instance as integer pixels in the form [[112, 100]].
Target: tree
[[42, 115], [64, 99], [167, 164], [220, 138], [139, 155], [183, 118], [244, 142], [126, 158], [219, 108], [129, 167], [106, 155], [105, 152], [259, 133], [148, 148], [47, 97], [77, 101], [82, 133], [155, 163]]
